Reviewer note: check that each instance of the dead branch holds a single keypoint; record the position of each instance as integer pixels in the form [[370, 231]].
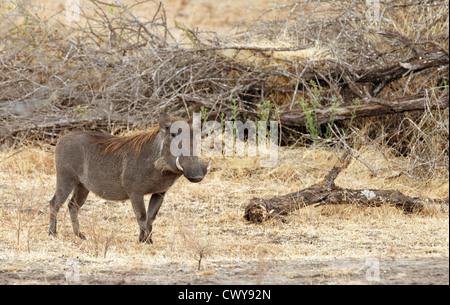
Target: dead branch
[[386, 75], [374, 107], [250, 48], [326, 192]]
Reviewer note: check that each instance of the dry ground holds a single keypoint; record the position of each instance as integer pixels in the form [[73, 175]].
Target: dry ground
[[324, 245], [208, 15], [222, 17], [328, 244]]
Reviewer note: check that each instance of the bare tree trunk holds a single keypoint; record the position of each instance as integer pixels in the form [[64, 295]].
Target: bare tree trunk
[[326, 192]]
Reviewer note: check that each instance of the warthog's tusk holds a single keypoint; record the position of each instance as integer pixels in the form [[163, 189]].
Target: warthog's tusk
[[209, 165], [177, 162]]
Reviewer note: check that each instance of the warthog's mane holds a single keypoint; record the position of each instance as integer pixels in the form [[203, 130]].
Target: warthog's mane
[[133, 143]]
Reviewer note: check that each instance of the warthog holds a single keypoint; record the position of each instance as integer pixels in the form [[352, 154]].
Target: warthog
[[120, 168]]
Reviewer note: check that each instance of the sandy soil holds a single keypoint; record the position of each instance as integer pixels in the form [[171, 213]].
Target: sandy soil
[[293, 272]]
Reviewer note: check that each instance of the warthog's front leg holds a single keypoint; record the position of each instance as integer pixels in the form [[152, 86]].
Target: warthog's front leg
[[137, 201], [153, 208]]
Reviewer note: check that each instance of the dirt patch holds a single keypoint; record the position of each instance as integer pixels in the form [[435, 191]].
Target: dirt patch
[[306, 271]]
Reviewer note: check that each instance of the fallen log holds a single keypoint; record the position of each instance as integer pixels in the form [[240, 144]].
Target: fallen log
[[371, 107], [326, 192]]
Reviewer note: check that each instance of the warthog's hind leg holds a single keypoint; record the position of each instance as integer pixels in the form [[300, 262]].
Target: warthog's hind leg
[[63, 190], [76, 202]]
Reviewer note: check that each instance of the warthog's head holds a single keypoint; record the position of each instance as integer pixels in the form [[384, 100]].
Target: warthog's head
[[178, 149]]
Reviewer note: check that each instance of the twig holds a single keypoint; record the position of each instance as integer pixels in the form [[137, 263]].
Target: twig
[[250, 48]]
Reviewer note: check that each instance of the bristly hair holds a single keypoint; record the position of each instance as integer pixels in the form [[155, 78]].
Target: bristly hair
[[127, 144]]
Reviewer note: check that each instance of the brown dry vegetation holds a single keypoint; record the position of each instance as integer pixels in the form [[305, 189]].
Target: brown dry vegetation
[[207, 219], [202, 225]]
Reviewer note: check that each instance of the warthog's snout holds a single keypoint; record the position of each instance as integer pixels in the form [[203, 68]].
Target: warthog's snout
[[196, 179], [194, 170]]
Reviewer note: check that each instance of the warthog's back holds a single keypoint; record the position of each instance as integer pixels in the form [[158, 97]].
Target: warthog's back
[[78, 159]]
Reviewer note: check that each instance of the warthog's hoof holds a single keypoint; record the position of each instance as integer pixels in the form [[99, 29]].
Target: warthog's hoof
[[80, 235], [146, 238]]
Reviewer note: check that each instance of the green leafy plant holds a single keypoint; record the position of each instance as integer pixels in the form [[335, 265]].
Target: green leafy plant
[[263, 115], [316, 93], [311, 118], [222, 119], [82, 110], [235, 110], [264, 110], [235, 117], [334, 105], [310, 108], [204, 113], [356, 102]]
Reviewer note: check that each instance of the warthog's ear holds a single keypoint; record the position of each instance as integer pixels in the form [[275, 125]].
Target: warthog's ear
[[162, 166], [164, 121]]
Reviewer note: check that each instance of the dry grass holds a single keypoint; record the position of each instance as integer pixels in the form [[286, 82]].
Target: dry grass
[[203, 222], [91, 76]]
